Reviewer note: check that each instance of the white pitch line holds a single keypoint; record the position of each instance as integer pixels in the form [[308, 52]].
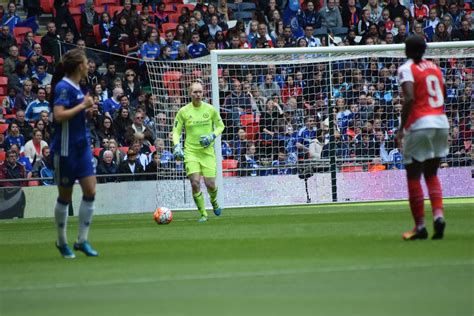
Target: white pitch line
[[231, 275]]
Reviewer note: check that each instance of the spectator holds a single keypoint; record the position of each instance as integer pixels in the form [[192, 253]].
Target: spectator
[[12, 169], [119, 34], [262, 37], [34, 147], [249, 162], [196, 48], [364, 23], [429, 25], [441, 8], [50, 42], [14, 137], [281, 165], [464, 33], [122, 123], [131, 85], [37, 106], [305, 135], [330, 15], [396, 9], [154, 166], [117, 155], [375, 11], [111, 105], [44, 168], [455, 14], [419, 11], [109, 77], [64, 15], [11, 18], [441, 34], [310, 39], [310, 16], [105, 26], [107, 166], [106, 129], [130, 166], [269, 88], [172, 43], [160, 15], [350, 14], [235, 104], [166, 157], [89, 18], [6, 41], [42, 76], [9, 65], [213, 26], [139, 127], [25, 97], [90, 54]]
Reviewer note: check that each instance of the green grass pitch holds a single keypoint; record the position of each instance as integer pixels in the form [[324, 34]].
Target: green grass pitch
[[308, 260]]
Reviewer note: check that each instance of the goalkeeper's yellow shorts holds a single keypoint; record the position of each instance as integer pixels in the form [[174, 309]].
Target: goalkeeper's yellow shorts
[[202, 162]]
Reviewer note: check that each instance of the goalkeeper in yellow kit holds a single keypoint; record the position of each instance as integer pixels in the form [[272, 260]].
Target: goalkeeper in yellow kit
[[203, 124]]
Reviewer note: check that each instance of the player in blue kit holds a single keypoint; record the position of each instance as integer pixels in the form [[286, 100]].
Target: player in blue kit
[[71, 151]]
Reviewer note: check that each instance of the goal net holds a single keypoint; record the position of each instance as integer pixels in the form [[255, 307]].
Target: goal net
[[310, 125]]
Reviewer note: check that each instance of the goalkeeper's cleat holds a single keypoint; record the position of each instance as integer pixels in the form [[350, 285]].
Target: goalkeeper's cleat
[[415, 234], [65, 251], [217, 211], [86, 248], [438, 225], [202, 219]]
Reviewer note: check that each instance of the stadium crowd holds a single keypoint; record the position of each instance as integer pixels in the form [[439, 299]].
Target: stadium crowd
[[275, 115]]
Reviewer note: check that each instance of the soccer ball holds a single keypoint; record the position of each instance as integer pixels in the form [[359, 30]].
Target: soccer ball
[[163, 215]]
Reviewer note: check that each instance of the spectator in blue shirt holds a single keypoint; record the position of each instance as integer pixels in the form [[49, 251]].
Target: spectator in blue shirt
[[308, 36], [112, 104], [34, 109], [14, 136], [305, 135], [150, 49], [196, 48], [172, 43]]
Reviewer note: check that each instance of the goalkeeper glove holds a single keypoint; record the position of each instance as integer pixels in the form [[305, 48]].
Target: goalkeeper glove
[[178, 152], [206, 140]]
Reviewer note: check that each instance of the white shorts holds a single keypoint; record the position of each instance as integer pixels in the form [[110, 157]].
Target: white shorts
[[424, 144]]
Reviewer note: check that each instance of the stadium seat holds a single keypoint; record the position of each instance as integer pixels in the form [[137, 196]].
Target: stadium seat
[[2, 156], [371, 167], [190, 6], [351, 168], [1, 66], [172, 1], [76, 3], [37, 39], [99, 9], [229, 164], [97, 33], [49, 58], [47, 6], [246, 6], [112, 9], [3, 128], [33, 183], [248, 119], [97, 152], [21, 31], [253, 131], [104, 2], [171, 80], [174, 17], [243, 15], [3, 82], [168, 26], [170, 8]]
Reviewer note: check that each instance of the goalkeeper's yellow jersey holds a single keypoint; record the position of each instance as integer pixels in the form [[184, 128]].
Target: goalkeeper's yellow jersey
[[197, 121]]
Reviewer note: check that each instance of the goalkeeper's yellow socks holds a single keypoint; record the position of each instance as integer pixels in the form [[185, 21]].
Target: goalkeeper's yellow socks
[[199, 200], [213, 196]]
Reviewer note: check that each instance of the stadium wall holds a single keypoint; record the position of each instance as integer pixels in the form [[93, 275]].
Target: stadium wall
[[139, 196]]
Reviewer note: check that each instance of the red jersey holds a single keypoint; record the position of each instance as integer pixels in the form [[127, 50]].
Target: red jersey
[[428, 107]]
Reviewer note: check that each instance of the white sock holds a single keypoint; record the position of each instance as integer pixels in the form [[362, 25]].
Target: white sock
[[85, 218], [60, 215]]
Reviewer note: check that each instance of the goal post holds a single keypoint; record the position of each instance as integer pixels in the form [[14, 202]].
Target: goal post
[[329, 138]]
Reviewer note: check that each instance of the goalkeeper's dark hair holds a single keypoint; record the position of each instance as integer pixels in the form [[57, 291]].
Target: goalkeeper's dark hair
[[415, 47], [66, 67]]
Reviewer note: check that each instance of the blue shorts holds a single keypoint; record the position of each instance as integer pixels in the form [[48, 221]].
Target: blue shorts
[[78, 165]]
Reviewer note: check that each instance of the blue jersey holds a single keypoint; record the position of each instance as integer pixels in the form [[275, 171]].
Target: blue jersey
[[69, 136], [197, 50], [150, 51], [305, 136]]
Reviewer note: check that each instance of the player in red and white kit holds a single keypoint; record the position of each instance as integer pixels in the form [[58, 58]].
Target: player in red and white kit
[[423, 135]]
